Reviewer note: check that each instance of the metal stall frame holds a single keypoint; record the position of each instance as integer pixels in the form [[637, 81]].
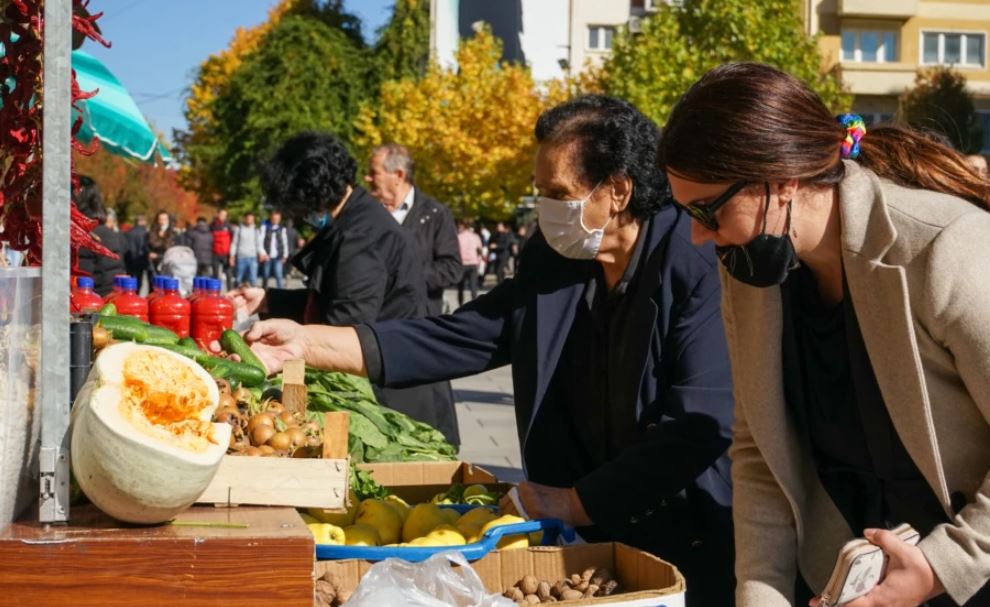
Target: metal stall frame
[[53, 503]]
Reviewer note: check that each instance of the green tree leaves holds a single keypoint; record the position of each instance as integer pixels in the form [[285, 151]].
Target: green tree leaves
[[678, 45]]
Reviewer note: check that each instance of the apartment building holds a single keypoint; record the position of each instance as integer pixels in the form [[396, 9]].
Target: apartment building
[[881, 44]]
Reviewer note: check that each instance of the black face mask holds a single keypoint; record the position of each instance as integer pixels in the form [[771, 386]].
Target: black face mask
[[764, 261]]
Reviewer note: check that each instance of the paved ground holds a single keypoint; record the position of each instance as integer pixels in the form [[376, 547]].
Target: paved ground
[[487, 418]]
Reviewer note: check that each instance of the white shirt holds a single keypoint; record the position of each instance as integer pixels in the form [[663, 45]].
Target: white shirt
[[406, 204]]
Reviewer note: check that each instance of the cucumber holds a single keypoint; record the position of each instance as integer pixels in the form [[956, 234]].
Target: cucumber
[[126, 328], [233, 343], [189, 352], [108, 310], [248, 375], [189, 342]]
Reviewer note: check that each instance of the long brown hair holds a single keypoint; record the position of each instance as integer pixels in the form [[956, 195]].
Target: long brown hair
[[752, 122]]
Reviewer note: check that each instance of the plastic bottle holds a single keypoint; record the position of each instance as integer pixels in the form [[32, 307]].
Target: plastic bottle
[[199, 287], [212, 314], [129, 303], [83, 299], [171, 310], [156, 289], [118, 288]]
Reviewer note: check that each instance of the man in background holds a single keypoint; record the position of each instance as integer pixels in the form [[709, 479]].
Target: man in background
[[390, 178], [136, 256], [471, 251], [275, 244], [223, 234], [199, 238], [500, 246], [246, 251], [431, 226]]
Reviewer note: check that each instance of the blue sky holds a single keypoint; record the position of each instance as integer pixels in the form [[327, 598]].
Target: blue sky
[[157, 44]]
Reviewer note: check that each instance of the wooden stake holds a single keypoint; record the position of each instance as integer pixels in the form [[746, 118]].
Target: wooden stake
[[335, 435], [294, 386]]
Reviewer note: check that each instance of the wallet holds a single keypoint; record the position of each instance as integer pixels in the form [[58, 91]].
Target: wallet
[[860, 567]]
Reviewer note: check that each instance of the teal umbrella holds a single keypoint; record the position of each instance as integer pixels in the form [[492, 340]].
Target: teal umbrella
[[111, 115]]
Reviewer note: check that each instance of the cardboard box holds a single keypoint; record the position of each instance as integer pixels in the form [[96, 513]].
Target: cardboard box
[[645, 580], [418, 482]]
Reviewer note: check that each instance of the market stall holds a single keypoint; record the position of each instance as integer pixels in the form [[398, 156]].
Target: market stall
[[188, 477]]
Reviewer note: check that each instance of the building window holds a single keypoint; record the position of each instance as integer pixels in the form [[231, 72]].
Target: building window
[[950, 48], [600, 37], [869, 46], [875, 118]]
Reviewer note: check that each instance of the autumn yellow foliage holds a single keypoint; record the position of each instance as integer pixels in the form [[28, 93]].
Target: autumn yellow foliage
[[469, 128]]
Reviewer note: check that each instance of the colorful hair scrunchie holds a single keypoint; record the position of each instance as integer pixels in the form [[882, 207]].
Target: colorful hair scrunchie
[[855, 129]]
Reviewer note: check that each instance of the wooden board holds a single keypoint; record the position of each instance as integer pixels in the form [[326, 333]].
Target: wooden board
[[294, 392], [279, 481], [266, 558]]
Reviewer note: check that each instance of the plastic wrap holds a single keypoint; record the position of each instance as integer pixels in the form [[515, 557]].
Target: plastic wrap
[[431, 583]]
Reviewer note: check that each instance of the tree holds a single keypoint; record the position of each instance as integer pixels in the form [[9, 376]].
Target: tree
[[677, 45], [131, 188], [939, 102], [308, 72], [403, 46], [199, 146], [469, 129]]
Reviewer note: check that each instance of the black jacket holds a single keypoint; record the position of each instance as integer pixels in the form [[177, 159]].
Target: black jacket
[[363, 268], [137, 248], [432, 226], [200, 240], [670, 490], [100, 267]]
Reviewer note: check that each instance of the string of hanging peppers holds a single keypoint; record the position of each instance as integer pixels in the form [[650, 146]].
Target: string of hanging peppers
[[21, 106]]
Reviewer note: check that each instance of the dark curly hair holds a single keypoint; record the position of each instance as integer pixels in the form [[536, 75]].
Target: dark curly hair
[[614, 138], [88, 199], [309, 172]]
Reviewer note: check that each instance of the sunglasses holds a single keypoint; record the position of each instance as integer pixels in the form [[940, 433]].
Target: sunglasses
[[705, 213]]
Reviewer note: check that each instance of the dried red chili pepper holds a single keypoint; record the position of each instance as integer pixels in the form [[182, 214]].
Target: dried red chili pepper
[[21, 73]]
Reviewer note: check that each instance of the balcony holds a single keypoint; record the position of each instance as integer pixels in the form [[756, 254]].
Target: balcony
[[878, 78], [882, 9]]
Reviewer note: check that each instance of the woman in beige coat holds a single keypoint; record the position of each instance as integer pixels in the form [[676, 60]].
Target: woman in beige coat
[[856, 300]]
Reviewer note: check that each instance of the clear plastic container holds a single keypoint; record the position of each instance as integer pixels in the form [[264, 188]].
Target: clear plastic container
[[20, 408]]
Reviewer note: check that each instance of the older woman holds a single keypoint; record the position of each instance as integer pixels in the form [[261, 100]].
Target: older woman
[[612, 328], [857, 308]]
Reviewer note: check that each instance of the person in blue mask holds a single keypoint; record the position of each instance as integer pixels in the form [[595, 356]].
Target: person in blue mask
[[361, 267], [612, 328], [857, 307]]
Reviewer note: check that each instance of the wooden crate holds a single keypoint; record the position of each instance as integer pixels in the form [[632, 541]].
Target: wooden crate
[[264, 557], [418, 482]]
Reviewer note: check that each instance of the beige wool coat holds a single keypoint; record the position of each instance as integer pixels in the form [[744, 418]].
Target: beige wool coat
[[917, 265]]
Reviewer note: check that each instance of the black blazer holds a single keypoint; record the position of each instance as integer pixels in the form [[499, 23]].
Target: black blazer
[[100, 267], [432, 227], [362, 267], [670, 491]]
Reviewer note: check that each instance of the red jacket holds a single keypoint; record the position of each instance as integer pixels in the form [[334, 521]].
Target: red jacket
[[221, 237]]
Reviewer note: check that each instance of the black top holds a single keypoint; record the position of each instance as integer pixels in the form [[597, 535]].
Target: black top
[[362, 267], [100, 267], [830, 384], [434, 231], [601, 329]]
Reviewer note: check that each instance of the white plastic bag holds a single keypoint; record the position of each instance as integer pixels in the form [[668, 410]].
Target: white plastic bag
[[432, 583]]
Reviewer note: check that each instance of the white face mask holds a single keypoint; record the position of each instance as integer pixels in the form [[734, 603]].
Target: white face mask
[[562, 224]]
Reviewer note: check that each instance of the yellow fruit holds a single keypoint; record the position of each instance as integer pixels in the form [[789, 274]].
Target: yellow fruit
[[423, 518], [399, 505], [382, 517], [325, 533], [451, 516], [361, 535], [341, 519], [476, 490], [446, 535], [508, 542], [476, 517]]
